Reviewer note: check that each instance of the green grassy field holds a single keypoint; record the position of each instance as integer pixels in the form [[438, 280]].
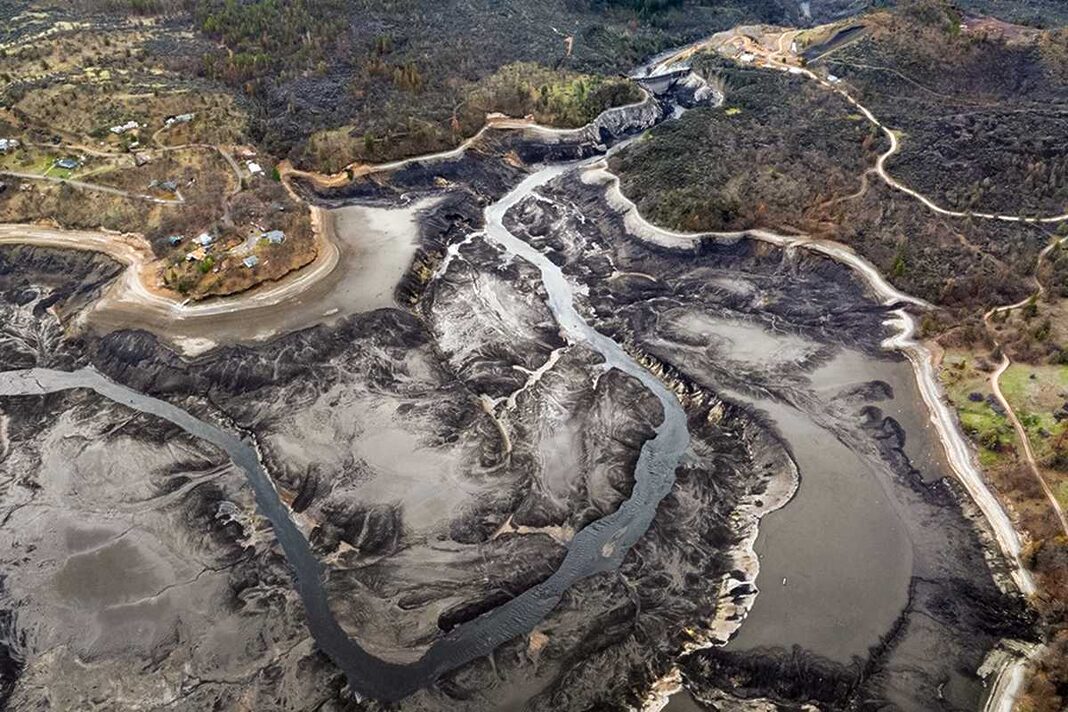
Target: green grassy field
[[991, 431], [1037, 393]]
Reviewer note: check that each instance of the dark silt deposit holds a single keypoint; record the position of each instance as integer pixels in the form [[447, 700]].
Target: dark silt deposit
[[528, 482], [577, 494], [874, 582]]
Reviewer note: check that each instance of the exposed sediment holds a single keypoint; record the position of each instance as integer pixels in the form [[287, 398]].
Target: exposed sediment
[[677, 273], [353, 539], [515, 552]]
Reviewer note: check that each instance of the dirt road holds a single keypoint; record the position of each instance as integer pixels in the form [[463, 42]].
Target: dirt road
[[784, 61], [995, 385], [95, 187]]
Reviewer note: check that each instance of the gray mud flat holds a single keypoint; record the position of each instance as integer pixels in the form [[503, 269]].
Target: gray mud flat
[[600, 546]]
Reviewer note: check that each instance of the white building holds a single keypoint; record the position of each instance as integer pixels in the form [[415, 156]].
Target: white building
[[254, 168], [123, 128], [179, 119]]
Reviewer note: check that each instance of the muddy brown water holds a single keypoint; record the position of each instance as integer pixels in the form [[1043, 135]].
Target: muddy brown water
[[836, 562], [375, 246], [682, 701]]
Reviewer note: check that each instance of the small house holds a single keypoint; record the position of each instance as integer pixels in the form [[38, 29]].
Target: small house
[[141, 159], [204, 239], [174, 240], [196, 255], [275, 237], [251, 261], [833, 79], [123, 128], [254, 168], [168, 185], [8, 144], [67, 164], [179, 119]]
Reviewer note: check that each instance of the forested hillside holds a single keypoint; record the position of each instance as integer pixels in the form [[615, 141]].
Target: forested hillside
[[333, 81], [385, 78]]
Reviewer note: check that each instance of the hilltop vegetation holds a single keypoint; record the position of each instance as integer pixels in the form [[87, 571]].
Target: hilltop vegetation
[[388, 79], [270, 36], [330, 82], [380, 79], [980, 116], [553, 97], [1036, 13], [779, 148], [980, 104]]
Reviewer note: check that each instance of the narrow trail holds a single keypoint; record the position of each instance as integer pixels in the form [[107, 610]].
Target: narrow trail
[[895, 147], [177, 201], [995, 385], [777, 61]]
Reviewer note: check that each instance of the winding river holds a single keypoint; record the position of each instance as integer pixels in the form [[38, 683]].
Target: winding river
[[599, 547]]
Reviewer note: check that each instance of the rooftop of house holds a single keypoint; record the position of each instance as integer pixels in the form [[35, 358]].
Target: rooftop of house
[[123, 128]]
